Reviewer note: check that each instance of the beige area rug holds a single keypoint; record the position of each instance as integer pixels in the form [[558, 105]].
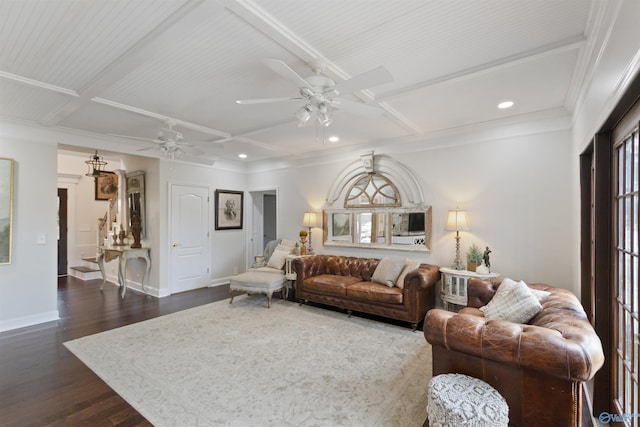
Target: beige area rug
[[246, 365]]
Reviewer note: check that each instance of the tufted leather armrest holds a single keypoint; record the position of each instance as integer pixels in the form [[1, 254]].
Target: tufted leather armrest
[[426, 275], [558, 341]]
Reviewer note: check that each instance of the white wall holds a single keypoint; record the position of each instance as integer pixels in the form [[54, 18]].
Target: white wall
[[28, 286], [517, 191]]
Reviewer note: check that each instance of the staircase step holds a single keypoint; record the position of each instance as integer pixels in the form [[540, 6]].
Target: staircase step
[[85, 273], [90, 263]]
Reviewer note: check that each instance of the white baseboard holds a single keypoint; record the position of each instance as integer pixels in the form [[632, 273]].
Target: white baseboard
[[24, 321]]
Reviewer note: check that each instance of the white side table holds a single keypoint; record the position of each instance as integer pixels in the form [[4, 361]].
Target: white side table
[[289, 274], [454, 286]]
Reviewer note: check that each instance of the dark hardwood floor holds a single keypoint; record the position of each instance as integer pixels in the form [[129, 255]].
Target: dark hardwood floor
[[44, 384]]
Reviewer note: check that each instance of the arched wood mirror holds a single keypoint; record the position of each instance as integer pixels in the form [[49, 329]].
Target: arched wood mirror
[[379, 209]]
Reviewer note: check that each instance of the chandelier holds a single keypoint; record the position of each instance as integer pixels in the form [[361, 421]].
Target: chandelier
[[95, 165]]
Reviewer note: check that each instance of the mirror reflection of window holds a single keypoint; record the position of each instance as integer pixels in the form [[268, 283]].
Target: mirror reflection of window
[[372, 190], [363, 227]]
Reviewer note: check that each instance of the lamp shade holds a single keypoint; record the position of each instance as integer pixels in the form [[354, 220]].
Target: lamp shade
[[457, 220], [310, 219]]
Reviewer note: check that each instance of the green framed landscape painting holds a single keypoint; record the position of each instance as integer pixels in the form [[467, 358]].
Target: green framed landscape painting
[[6, 209]]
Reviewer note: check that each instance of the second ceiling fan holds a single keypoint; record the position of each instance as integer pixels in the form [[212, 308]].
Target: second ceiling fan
[[321, 95]]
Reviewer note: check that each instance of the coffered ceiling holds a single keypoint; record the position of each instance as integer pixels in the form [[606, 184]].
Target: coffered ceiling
[[124, 67]]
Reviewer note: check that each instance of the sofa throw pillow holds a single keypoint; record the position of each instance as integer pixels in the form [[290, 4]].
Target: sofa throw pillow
[[278, 257], [513, 302], [409, 265], [388, 270], [288, 243], [541, 295]]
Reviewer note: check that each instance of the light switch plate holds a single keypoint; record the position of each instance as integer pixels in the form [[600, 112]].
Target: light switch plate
[[42, 239]]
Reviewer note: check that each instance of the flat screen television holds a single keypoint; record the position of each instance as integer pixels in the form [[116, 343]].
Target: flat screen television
[[416, 222]]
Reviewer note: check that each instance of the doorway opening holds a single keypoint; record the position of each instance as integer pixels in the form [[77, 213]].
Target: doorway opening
[[62, 232], [264, 214]]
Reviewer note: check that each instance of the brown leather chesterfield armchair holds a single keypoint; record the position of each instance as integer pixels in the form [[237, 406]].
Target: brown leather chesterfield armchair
[[538, 367]]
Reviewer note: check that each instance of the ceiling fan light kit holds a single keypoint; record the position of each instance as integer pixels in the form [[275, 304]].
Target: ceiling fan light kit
[[320, 94]]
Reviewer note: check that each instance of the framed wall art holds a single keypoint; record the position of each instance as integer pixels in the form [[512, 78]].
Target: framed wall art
[[6, 209], [106, 185], [229, 209]]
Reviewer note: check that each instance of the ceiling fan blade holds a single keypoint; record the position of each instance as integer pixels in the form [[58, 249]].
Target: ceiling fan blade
[[266, 100], [196, 159], [147, 149], [137, 138], [356, 108], [372, 78], [216, 145], [281, 68]]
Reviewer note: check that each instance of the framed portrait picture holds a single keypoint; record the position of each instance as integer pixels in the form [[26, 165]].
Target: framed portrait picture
[[106, 185], [229, 209]]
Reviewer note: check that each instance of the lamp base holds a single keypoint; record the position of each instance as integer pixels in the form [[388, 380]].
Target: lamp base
[[457, 263]]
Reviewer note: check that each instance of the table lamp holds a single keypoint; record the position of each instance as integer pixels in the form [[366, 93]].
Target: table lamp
[[310, 220], [457, 221]]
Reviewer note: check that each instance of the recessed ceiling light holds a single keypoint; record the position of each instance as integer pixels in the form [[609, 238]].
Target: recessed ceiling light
[[505, 104], [242, 156], [334, 139]]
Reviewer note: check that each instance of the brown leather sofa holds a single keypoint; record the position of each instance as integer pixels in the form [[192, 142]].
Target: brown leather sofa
[[538, 367], [345, 282]]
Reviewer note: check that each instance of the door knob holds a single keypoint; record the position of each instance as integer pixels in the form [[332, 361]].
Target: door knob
[[175, 244]]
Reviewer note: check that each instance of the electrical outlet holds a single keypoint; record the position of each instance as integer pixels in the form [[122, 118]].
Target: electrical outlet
[[235, 270]]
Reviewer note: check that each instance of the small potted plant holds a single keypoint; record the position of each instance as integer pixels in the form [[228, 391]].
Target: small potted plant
[[474, 257]]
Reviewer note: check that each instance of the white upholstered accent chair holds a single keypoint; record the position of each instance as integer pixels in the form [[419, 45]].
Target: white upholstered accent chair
[[265, 278]]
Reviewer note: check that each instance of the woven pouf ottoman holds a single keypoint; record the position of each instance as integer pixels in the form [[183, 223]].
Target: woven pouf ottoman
[[460, 400], [256, 282]]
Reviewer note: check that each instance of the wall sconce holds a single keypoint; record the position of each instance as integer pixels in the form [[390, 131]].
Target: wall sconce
[[310, 220], [95, 165], [457, 221]]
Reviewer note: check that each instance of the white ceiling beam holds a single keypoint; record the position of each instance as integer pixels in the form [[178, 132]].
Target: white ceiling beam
[[490, 67], [38, 84], [187, 16], [262, 21], [162, 117]]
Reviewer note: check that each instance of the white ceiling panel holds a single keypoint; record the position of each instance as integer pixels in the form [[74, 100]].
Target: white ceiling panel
[[67, 43], [537, 86], [125, 67], [422, 40], [27, 102]]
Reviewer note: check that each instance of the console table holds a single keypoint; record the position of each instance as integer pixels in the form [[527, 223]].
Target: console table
[[125, 253], [454, 285]]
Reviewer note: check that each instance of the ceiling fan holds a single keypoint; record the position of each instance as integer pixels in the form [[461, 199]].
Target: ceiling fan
[[170, 143], [320, 94]]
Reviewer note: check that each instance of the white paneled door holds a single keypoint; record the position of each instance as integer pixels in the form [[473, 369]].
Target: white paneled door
[[189, 238]]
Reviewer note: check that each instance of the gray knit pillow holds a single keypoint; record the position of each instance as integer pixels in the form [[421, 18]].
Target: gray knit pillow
[[387, 271], [513, 302]]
